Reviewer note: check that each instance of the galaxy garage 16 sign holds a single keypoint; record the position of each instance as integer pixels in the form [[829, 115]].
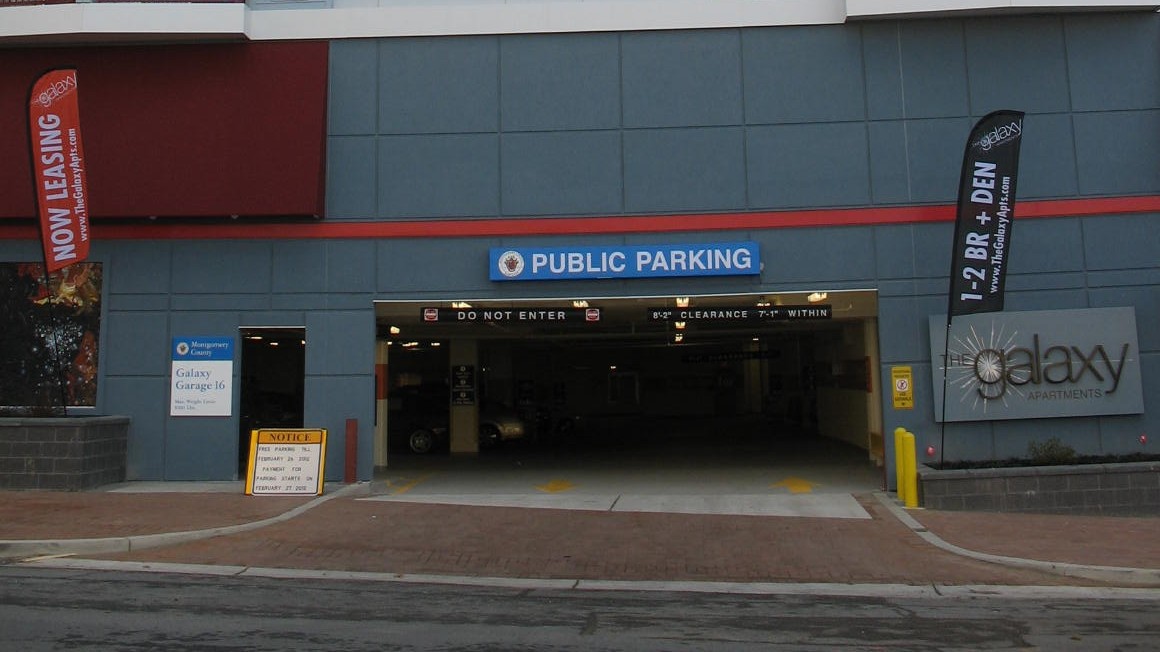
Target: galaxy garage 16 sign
[[201, 377], [1025, 365]]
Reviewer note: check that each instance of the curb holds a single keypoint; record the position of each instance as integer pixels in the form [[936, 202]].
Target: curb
[[1110, 574], [812, 589], [34, 548]]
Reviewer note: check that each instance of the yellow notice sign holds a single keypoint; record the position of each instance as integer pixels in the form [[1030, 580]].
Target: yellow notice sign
[[902, 388], [286, 462]]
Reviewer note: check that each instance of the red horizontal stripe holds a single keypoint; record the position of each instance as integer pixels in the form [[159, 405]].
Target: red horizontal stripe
[[503, 227]]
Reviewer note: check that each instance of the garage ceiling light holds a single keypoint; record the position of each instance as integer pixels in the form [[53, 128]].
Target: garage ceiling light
[[580, 304], [815, 297], [682, 302]]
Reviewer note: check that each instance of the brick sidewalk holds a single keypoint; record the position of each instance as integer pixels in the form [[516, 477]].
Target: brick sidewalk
[[396, 537], [1091, 540], [388, 537], [78, 515]]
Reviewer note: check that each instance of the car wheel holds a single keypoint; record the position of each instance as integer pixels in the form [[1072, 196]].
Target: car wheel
[[488, 436], [422, 441]]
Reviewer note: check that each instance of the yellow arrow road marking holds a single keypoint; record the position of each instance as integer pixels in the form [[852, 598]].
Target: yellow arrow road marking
[[796, 485], [556, 486]]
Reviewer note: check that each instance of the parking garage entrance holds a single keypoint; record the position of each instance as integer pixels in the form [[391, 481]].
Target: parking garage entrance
[[646, 380]]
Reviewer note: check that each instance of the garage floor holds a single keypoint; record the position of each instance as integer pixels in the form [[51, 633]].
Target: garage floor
[[752, 469]]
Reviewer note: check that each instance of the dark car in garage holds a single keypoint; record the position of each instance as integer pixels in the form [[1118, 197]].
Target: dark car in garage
[[418, 418]]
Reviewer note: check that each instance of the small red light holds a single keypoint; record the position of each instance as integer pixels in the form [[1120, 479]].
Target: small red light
[[930, 451]]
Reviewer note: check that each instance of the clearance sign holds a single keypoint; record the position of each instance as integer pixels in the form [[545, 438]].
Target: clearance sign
[[58, 163]]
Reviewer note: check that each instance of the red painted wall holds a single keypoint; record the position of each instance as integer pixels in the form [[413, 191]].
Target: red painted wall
[[205, 130]]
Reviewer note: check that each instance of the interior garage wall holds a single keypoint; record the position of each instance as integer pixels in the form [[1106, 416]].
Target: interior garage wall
[[842, 410]]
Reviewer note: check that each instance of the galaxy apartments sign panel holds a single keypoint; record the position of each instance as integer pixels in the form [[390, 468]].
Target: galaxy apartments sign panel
[[645, 261], [1027, 365]]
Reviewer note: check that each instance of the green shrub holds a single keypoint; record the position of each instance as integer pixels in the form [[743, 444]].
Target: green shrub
[[1051, 451]]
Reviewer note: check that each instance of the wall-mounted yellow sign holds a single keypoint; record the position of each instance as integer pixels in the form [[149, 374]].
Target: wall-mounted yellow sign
[[902, 388]]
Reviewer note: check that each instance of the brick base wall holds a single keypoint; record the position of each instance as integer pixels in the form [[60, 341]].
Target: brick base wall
[[65, 453], [1110, 489]]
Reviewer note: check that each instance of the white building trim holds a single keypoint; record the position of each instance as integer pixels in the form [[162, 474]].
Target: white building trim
[[336, 19], [499, 17], [856, 9], [117, 21]]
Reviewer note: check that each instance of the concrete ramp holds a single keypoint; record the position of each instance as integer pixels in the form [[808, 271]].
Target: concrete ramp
[[831, 505]]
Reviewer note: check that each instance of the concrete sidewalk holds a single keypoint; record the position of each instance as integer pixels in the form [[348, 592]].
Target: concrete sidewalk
[[348, 531]]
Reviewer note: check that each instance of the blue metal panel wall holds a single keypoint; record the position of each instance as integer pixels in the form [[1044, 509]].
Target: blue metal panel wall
[[723, 120], [1055, 264], [568, 82], [822, 66], [340, 353], [830, 165], [1116, 152], [133, 357], [715, 121], [684, 169], [1050, 144], [156, 291], [681, 79], [438, 86], [933, 61], [734, 120], [1029, 49], [1112, 59], [561, 172]]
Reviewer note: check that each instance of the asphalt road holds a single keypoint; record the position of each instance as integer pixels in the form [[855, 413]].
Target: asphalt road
[[53, 609]]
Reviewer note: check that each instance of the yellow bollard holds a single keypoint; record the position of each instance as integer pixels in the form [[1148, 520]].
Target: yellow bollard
[[910, 474], [899, 478]]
